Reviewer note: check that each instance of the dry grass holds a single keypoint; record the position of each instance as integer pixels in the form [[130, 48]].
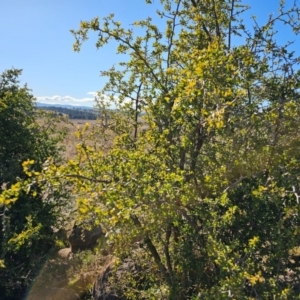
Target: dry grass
[[71, 140], [94, 136]]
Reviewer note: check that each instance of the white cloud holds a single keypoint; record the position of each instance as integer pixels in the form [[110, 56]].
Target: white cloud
[[69, 100], [92, 93], [87, 101]]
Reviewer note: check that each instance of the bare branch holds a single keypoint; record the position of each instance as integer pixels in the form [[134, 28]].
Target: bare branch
[[195, 4], [230, 24], [145, 61], [218, 32], [234, 184], [152, 249]]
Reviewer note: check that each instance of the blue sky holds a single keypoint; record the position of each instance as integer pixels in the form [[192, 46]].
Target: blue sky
[[35, 36]]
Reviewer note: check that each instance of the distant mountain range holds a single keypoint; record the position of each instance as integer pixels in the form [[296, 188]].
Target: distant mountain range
[[39, 104], [74, 112]]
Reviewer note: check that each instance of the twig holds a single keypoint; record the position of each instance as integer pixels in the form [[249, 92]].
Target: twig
[[87, 178]]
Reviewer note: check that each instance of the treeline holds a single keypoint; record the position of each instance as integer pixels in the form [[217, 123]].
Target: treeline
[[75, 113]]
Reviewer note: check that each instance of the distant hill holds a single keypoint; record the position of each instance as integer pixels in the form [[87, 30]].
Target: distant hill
[[39, 104], [74, 112]]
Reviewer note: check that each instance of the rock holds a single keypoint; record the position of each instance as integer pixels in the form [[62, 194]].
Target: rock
[[61, 233], [84, 239], [103, 288], [290, 279], [65, 253]]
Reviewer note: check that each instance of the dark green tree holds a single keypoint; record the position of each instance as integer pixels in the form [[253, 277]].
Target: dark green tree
[[26, 222]]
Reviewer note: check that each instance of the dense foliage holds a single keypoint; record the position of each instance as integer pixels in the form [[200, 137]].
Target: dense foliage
[[207, 181], [27, 217], [211, 183]]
